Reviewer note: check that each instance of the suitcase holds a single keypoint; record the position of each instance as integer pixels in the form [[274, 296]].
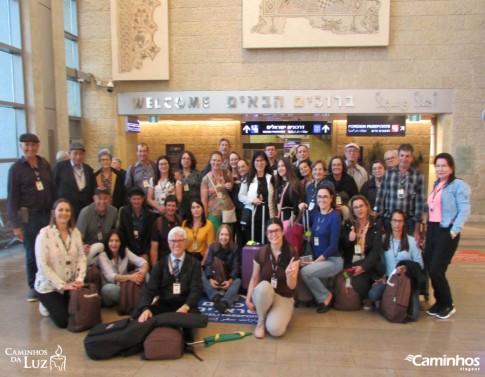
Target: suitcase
[[248, 253]]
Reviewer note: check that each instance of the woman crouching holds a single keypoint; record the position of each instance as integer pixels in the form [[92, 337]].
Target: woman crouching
[[272, 284]]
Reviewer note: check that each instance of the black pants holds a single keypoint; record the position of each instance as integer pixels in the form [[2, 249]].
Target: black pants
[[57, 304], [439, 251], [37, 220]]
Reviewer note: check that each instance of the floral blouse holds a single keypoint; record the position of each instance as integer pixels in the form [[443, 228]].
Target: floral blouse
[[162, 189], [58, 262]]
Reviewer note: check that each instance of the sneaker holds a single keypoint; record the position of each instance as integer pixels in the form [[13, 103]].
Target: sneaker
[[43, 311], [260, 331], [446, 312], [32, 295], [433, 310], [367, 304]]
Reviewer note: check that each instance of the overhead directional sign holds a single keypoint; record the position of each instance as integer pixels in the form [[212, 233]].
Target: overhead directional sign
[[286, 128], [376, 126]]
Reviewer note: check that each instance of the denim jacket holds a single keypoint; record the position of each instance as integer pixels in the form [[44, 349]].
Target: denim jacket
[[455, 204]]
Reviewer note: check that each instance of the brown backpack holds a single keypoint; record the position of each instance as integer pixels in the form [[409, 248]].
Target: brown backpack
[[346, 298], [129, 296], [164, 343], [84, 308], [93, 275], [396, 298]]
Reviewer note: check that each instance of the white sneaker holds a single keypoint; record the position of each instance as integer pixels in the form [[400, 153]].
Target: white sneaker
[[43, 311]]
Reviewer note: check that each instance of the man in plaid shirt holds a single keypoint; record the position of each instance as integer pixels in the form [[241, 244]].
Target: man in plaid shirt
[[402, 188]]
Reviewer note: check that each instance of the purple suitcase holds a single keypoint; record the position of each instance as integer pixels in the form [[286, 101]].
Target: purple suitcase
[[248, 253]]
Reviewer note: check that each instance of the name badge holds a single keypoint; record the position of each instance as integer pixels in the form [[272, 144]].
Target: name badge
[[338, 200], [135, 233], [145, 183], [357, 249], [311, 206], [39, 185], [100, 236], [400, 193], [176, 288], [186, 187], [274, 282], [316, 241], [219, 195], [194, 246]]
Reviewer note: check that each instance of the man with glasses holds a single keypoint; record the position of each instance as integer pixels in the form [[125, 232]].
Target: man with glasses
[[391, 158], [175, 279], [402, 188]]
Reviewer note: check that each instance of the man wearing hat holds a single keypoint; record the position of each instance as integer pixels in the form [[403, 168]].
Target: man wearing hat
[[31, 194], [95, 222], [352, 154], [136, 222], [74, 179]]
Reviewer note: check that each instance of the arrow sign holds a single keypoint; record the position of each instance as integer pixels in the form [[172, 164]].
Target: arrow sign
[[246, 129], [325, 128]]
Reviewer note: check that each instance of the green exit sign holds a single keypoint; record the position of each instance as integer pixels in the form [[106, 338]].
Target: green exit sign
[[414, 118], [153, 119]]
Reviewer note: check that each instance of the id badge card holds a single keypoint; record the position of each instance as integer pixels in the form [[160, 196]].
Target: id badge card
[[176, 288], [135, 233], [357, 249], [316, 241], [219, 195], [145, 183], [338, 200], [194, 246], [100, 236], [39, 185], [311, 206], [186, 187], [400, 193], [274, 282]]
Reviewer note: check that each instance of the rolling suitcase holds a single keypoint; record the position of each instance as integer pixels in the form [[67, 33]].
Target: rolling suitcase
[[248, 253]]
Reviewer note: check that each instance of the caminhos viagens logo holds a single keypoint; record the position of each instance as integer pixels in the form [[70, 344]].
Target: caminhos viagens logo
[[464, 364]]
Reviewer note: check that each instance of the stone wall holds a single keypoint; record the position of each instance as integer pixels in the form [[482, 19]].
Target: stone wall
[[433, 44]]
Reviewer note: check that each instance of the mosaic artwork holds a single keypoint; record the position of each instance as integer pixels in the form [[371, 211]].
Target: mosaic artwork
[[315, 23], [139, 39]]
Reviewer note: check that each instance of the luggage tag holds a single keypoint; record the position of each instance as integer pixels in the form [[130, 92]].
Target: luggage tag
[[186, 187], [145, 183], [274, 282], [39, 185], [400, 193], [176, 288], [357, 254]]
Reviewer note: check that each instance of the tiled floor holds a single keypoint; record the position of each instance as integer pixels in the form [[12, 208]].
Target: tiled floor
[[333, 344]]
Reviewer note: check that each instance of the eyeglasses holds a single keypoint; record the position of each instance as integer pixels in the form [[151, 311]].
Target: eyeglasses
[[177, 241], [359, 207], [274, 231]]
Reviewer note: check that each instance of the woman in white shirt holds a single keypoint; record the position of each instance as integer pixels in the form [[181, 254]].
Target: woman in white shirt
[[114, 262], [61, 263]]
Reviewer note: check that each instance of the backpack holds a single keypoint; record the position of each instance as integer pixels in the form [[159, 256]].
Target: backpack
[[396, 298], [164, 343], [346, 298], [129, 296], [84, 308], [93, 275]]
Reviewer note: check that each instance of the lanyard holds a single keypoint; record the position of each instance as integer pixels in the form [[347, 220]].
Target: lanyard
[[274, 265]]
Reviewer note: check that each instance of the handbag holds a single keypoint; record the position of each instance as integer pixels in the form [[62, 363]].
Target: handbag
[[294, 233], [229, 216], [84, 308]]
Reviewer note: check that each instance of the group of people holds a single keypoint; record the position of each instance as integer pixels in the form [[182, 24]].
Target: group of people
[[181, 230]]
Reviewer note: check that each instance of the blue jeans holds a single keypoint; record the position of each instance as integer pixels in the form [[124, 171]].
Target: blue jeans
[[110, 294], [229, 296], [37, 220], [377, 291], [314, 273]]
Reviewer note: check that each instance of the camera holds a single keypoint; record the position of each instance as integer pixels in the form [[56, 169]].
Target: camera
[[110, 86]]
